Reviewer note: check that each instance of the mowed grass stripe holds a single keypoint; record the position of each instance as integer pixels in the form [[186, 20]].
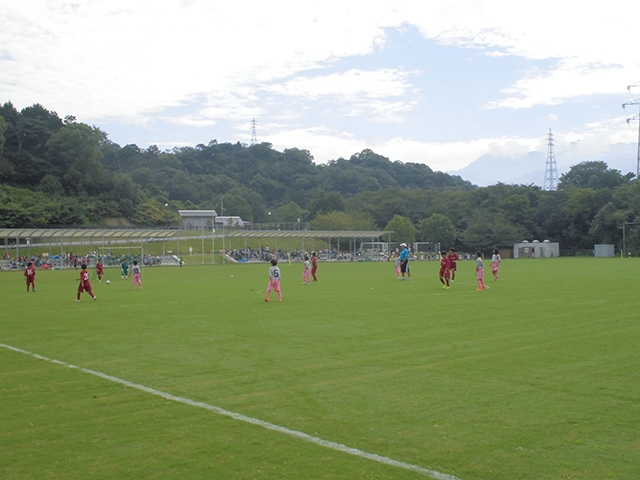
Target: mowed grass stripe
[[467, 382], [243, 418]]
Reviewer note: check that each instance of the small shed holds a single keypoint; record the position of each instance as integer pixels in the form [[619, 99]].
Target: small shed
[[604, 250], [536, 249]]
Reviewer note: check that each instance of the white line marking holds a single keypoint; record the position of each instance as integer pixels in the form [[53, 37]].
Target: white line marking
[[243, 418]]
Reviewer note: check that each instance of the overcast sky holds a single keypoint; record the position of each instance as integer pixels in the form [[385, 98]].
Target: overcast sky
[[440, 83]]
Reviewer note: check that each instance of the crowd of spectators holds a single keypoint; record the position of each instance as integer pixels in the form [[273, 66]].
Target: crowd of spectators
[[71, 260]]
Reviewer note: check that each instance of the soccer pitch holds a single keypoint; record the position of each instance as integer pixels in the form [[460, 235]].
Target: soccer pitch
[[356, 376]]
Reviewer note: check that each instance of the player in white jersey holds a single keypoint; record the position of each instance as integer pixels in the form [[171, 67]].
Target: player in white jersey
[[274, 280], [480, 271], [495, 264], [135, 275], [306, 274]]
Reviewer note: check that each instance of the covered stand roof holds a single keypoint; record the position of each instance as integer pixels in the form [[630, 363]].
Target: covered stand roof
[[125, 234], [302, 233], [79, 233]]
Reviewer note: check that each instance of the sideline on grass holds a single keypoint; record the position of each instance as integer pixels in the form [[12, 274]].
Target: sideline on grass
[[243, 418]]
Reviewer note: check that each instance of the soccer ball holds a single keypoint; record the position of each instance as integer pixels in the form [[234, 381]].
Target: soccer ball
[[108, 282]]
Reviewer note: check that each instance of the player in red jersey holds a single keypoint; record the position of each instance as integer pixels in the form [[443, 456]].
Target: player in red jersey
[[445, 268], [85, 284], [453, 258], [314, 265], [30, 273], [99, 270]]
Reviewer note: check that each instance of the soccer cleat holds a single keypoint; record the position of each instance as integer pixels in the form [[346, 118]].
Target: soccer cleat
[[77, 301], [95, 298], [266, 299]]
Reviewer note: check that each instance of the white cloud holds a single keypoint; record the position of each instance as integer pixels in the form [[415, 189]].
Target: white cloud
[[380, 83], [131, 61]]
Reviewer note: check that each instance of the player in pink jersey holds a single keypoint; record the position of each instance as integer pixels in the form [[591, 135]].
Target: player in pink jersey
[[85, 284], [30, 274]]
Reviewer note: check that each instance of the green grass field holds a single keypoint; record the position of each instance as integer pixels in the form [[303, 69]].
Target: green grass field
[[535, 378]]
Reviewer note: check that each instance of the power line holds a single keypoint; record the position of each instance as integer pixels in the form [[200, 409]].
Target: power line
[[635, 101]]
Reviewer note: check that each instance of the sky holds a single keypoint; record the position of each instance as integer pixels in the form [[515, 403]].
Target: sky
[[438, 83]]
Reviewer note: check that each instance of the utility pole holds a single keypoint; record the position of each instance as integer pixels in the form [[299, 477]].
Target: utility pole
[[551, 169], [635, 101]]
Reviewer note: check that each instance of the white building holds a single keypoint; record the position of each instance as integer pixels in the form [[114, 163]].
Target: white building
[[197, 219], [536, 249]]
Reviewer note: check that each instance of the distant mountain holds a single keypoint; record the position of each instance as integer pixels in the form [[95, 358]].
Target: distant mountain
[[529, 169], [491, 169]]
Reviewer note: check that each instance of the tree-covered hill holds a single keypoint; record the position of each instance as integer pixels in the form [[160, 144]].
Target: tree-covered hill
[[57, 171]]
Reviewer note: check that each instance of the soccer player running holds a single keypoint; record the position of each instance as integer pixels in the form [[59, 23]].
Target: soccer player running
[[495, 264], [480, 271], [99, 269], [445, 269], [453, 266], [274, 280], [135, 275], [85, 284], [30, 274], [404, 261]]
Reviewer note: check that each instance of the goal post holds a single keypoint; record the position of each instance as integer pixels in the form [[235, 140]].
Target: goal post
[[114, 256]]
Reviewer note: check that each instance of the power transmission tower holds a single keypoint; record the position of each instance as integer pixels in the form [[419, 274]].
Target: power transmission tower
[[635, 101], [551, 169], [254, 138]]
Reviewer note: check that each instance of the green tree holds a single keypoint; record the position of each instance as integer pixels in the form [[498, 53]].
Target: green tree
[[291, 212], [486, 231], [402, 228], [581, 208], [6, 168], [271, 190], [592, 175], [438, 229], [51, 186], [341, 221], [152, 212], [3, 129], [326, 202], [237, 206], [75, 152], [605, 227]]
